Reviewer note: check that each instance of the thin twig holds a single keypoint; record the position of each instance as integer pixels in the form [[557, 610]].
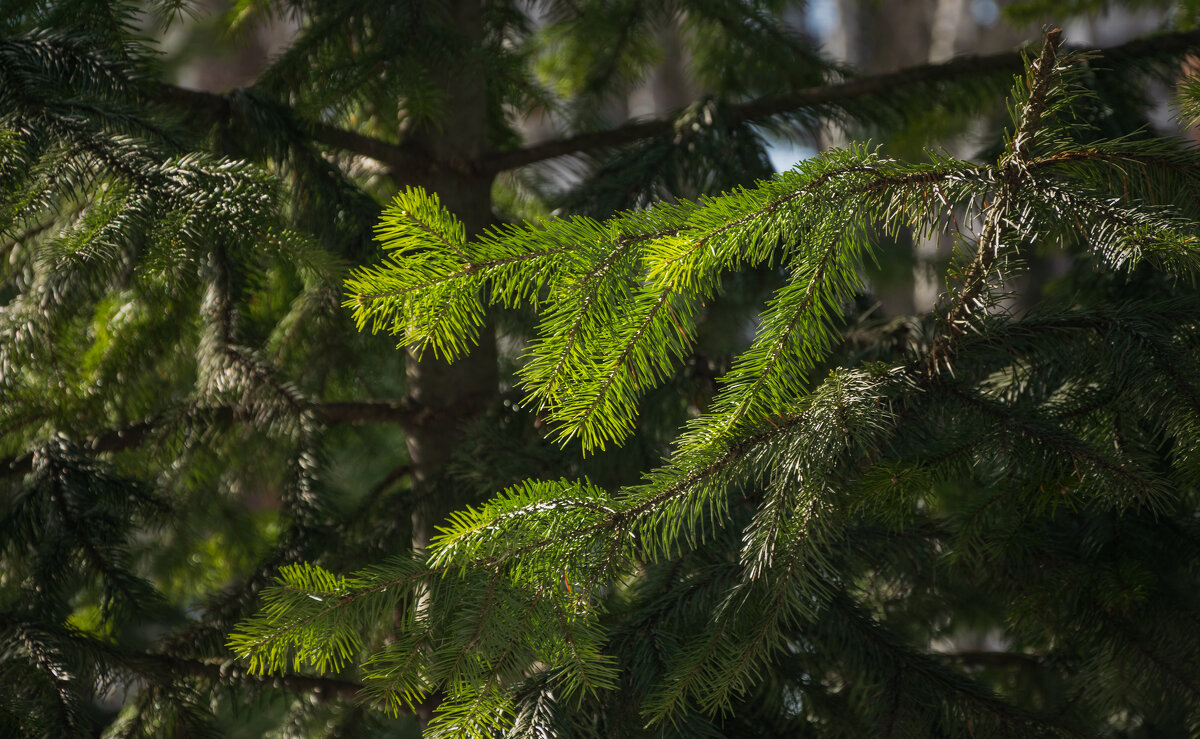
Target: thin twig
[[1013, 168]]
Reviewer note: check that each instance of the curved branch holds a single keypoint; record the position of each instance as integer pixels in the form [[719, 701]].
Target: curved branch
[[406, 159], [325, 689], [401, 412], [761, 109], [216, 107]]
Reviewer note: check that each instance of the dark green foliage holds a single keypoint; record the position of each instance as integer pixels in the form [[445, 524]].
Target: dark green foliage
[[816, 530], [1181, 14], [713, 492]]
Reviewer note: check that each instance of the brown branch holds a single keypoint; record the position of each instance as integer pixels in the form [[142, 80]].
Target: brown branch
[[990, 659], [364, 507], [577, 144], [1042, 431], [1013, 167], [325, 689], [1153, 653], [410, 161], [216, 107], [764, 108], [925, 665], [150, 666], [400, 412], [333, 413]]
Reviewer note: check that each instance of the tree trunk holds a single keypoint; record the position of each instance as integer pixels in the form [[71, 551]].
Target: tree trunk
[[451, 395]]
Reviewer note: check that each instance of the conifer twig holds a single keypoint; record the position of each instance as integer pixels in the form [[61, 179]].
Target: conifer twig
[[1013, 169]]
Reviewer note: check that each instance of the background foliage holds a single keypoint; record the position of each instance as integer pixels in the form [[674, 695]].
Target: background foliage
[[740, 496]]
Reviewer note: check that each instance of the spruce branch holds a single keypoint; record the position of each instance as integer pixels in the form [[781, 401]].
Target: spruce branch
[[763, 109], [153, 665], [325, 689], [411, 164], [1180, 676], [983, 499], [1049, 435], [216, 108], [329, 413], [1013, 169]]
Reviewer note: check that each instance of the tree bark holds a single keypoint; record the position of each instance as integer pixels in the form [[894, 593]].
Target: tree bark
[[450, 396]]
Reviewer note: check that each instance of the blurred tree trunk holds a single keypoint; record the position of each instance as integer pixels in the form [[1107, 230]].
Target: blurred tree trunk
[[450, 396]]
